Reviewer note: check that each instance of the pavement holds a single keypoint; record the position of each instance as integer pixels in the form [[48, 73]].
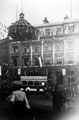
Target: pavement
[[72, 105], [41, 108], [46, 103]]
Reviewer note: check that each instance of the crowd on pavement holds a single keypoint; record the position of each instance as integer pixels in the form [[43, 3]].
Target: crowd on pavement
[[17, 100]]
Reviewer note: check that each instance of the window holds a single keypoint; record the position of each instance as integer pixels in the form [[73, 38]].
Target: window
[[70, 59], [59, 46], [47, 59], [47, 46], [58, 59], [68, 72], [36, 48], [41, 33], [48, 62], [26, 49], [71, 28], [59, 78], [15, 62], [72, 72], [72, 80], [69, 81], [26, 61], [36, 61], [15, 49], [70, 44], [47, 31], [59, 31]]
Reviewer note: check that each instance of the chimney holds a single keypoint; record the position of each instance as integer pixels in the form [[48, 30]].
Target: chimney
[[45, 20], [65, 18]]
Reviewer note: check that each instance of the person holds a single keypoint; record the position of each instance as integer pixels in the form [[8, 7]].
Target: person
[[58, 99], [20, 102], [10, 76], [19, 96]]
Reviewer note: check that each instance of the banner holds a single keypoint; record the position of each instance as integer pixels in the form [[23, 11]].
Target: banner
[[40, 61], [19, 71], [34, 78], [63, 71]]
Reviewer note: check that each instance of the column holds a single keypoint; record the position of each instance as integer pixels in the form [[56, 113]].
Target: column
[[31, 54], [42, 48], [53, 52]]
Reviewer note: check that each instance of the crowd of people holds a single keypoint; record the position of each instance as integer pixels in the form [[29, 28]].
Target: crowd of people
[[18, 98], [8, 75]]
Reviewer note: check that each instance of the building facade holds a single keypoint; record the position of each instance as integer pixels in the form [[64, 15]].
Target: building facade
[[53, 45], [60, 48], [57, 44], [4, 51], [61, 41]]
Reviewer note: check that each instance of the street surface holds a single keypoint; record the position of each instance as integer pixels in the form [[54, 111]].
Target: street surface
[[41, 109]]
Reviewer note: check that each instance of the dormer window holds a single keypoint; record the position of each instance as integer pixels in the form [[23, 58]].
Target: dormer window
[[47, 31], [71, 28], [59, 31]]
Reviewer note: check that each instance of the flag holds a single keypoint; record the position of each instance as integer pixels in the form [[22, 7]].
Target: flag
[[19, 71], [40, 61]]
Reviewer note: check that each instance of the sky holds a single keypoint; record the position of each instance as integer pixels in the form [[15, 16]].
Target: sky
[[36, 10]]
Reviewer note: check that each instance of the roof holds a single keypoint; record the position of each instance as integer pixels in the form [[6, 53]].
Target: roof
[[22, 21], [67, 21], [22, 29]]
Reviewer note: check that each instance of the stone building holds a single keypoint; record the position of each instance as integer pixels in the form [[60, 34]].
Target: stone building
[[60, 47], [21, 33], [61, 41], [56, 45], [4, 51]]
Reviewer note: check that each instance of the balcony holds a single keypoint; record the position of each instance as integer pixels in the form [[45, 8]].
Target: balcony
[[15, 54], [66, 35], [25, 53]]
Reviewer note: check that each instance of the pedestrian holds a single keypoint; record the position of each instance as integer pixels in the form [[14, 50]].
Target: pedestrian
[[10, 76], [20, 102], [58, 99]]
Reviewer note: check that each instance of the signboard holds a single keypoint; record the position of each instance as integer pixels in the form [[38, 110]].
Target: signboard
[[33, 78]]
